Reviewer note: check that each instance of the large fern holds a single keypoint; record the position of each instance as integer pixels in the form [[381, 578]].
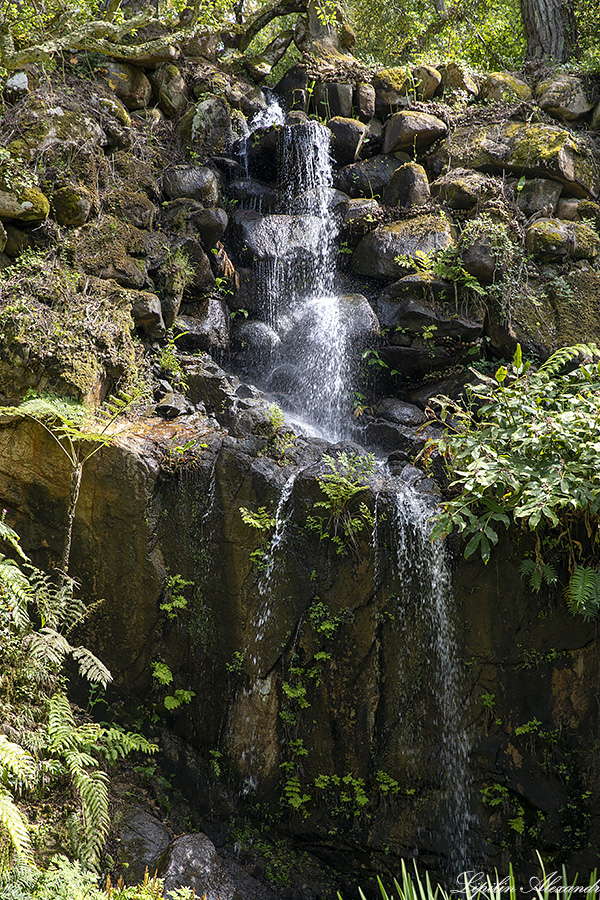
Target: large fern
[[562, 357], [17, 768], [583, 592]]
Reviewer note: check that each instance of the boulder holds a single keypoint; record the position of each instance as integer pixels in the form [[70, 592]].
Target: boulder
[[333, 99], [142, 839], [71, 205], [368, 178], [539, 196], [360, 216], [392, 88], [348, 137], [425, 357], [364, 101], [556, 240], [293, 88], [170, 89], [255, 195], [464, 188], [426, 81], [133, 206], [354, 315], [18, 86], [129, 84], [206, 127], [270, 237], [400, 412], [376, 253], [3, 238], [481, 260], [147, 314], [192, 861], [564, 97], [521, 148], [457, 80], [172, 405], [567, 209], [206, 325], [502, 87], [192, 218], [407, 187], [412, 131], [26, 205], [422, 301], [16, 240], [193, 182]]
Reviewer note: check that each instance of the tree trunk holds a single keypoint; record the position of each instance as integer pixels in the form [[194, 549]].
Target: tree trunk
[[73, 498], [548, 40]]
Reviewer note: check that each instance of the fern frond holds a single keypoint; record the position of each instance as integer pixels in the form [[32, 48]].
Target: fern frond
[[565, 355], [15, 760], [117, 743], [583, 592], [92, 788], [15, 592], [15, 825], [11, 537], [60, 720], [49, 406], [91, 667], [49, 647]]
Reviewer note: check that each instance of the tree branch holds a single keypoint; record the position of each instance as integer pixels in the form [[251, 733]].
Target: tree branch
[[283, 8]]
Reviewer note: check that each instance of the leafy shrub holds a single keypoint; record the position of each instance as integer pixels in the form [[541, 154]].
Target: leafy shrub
[[526, 451]]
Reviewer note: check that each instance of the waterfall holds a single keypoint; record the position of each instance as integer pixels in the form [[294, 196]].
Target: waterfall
[[424, 575]]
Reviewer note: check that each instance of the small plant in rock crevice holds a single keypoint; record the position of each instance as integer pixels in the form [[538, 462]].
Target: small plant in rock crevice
[[345, 517], [263, 523]]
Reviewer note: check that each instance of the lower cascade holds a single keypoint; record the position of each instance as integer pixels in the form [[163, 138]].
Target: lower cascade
[[310, 373]]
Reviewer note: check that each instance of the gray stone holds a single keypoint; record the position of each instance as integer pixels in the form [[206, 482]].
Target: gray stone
[[426, 80], [521, 148], [368, 178], [193, 182], [464, 188], [400, 412], [419, 302], [458, 81], [412, 130], [170, 89], [268, 237], [481, 261], [539, 195], [502, 87], [392, 89], [364, 101], [206, 128], [293, 88], [348, 137], [192, 861], [376, 254], [146, 313], [255, 195], [333, 99], [28, 205], [407, 187], [206, 325], [17, 86], [71, 206], [129, 84], [556, 240], [564, 97], [142, 840], [173, 404]]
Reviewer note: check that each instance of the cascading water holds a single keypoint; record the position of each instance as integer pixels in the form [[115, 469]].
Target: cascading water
[[423, 566], [311, 370]]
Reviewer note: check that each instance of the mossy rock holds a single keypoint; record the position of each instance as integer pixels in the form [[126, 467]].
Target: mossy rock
[[206, 127], [111, 249], [64, 333], [504, 88], [464, 188], [556, 240], [28, 205], [564, 96], [521, 148], [40, 126], [71, 206], [376, 253]]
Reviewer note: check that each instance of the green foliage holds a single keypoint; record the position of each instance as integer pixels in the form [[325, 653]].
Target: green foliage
[[278, 438], [62, 880], [48, 747], [164, 676], [526, 451], [175, 599], [169, 362], [345, 518], [263, 522]]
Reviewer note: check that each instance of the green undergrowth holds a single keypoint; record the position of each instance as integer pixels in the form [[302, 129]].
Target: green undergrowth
[[524, 452]]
